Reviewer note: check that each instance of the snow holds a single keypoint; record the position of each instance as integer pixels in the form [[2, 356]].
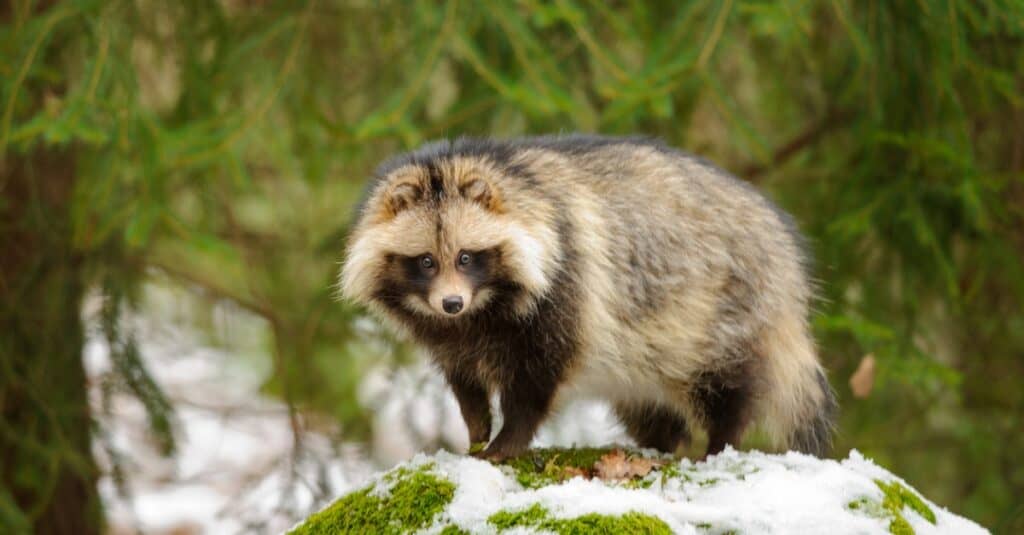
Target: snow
[[236, 469], [749, 492]]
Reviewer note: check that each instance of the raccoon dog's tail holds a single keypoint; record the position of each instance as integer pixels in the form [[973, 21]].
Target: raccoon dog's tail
[[801, 407]]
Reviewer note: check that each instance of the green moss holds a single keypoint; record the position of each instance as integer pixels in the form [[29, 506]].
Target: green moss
[[643, 483], [900, 526], [538, 518], [686, 475], [545, 466], [533, 516], [452, 529], [869, 507], [707, 526], [416, 496], [670, 471], [895, 497], [742, 469]]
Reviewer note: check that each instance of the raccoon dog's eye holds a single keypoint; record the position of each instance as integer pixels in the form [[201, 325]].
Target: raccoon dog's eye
[[427, 262], [465, 258]]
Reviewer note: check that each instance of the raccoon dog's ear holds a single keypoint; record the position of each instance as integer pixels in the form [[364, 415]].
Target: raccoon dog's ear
[[402, 196], [480, 191]]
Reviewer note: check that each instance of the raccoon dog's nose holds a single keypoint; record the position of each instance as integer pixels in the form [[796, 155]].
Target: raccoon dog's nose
[[452, 304]]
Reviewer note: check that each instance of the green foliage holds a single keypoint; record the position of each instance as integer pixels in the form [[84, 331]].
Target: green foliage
[[12, 518], [539, 518], [131, 371], [222, 146], [412, 501]]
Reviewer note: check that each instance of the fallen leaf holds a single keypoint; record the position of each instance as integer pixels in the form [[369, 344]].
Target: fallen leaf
[[571, 471], [617, 465], [863, 379]]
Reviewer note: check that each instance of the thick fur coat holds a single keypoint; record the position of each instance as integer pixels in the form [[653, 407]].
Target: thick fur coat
[[552, 267]]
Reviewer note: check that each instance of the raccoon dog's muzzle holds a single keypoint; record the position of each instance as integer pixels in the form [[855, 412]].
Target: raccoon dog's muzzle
[[451, 295]]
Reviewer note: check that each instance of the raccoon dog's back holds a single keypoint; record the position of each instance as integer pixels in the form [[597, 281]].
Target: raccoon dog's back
[[543, 268]]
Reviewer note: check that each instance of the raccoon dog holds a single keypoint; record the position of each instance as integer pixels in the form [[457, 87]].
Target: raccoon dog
[[553, 267]]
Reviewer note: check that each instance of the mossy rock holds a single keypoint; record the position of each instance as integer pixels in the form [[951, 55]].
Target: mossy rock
[[537, 517], [611, 490], [409, 503], [545, 466]]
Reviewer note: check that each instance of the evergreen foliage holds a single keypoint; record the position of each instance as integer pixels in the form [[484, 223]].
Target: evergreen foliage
[[222, 146]]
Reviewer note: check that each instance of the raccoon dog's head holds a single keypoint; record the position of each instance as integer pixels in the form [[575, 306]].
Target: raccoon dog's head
[[446, 236]]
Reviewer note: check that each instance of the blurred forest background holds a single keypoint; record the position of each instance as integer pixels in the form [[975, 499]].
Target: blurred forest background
[[218, 147]]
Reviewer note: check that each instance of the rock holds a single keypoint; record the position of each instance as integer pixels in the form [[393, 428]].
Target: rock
[[592, 490]]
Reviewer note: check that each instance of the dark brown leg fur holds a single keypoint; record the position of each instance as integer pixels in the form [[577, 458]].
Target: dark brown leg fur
[[724, 400], [653, 426], [524, 404], [475, 405]]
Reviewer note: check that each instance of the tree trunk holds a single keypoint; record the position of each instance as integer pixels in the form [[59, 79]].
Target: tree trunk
[[47, 472]]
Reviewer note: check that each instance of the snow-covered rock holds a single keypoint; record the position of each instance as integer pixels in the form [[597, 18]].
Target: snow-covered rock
[[626, 491]]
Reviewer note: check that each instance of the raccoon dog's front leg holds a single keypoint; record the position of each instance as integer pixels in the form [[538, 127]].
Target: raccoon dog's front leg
[[475, 405], [525, 401]]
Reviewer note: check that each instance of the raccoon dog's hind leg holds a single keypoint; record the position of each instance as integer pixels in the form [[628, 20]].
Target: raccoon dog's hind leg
[[724, 399], [724, 395], [653, 426]]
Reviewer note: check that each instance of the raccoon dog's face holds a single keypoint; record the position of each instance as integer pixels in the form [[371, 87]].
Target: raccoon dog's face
[[440, 240]]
